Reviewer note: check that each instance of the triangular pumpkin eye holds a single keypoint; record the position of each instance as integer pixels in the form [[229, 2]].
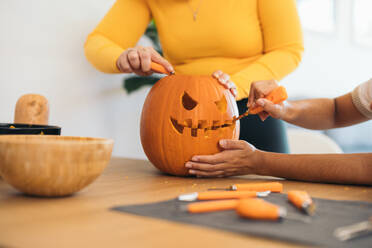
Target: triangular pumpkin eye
[[187, 102], [222, 104]]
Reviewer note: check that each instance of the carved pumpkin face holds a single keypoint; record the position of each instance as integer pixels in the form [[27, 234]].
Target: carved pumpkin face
[[184, 116]]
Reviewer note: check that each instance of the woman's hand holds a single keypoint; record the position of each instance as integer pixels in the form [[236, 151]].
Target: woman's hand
[[237, 158], [259, 90], [224, 79], [138, 60]]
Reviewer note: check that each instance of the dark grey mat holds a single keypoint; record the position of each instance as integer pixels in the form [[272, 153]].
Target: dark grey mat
[[329, 215]]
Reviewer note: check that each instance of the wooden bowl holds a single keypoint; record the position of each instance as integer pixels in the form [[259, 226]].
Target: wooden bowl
[[51, 165]]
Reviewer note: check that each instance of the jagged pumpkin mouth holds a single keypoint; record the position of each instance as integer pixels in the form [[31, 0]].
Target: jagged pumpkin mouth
[[202, 127]]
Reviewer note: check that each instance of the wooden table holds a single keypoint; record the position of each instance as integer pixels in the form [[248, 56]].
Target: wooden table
[[84, 220]]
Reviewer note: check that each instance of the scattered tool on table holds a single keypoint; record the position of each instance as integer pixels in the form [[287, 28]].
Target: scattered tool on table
[[211, 206], [263, 210], [160, 69], [220, 195], [276, 96], [258, 187], [354, 231], [302, 200]]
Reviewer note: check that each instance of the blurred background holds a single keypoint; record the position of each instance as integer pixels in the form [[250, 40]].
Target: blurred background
[[41, 51]]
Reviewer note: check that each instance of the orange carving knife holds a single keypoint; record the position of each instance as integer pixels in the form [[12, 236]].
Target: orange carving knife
[[221, 195], [211, 206], [276, 96], [159, 69], [258, 187], [302, 200]]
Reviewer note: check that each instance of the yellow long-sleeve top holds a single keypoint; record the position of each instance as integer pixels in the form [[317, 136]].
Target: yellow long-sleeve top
[[249, 39]]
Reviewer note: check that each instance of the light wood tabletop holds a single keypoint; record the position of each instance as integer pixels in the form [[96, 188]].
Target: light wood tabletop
[[85, 219]]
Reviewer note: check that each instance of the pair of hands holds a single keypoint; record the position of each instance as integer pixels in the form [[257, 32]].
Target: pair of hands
[[138, 60], [238, 157]]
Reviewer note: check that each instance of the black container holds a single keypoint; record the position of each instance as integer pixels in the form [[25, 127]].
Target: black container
[[9, 128]]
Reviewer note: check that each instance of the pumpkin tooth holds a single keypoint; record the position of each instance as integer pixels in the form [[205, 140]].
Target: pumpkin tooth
[[202, 124], [188, 123], [194, 124], [216, 125], [177, 126], [208, 124]]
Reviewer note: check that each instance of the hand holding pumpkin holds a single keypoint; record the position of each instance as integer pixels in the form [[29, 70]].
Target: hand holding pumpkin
[[237, 158], [224, 79], [138, 60]]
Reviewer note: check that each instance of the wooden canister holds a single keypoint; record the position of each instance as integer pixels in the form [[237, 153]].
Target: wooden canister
[[32, 109]]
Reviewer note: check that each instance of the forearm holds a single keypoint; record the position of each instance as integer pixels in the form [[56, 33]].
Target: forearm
[[102, 53], [120, 29], [333, 168], [311, 114], [323, 113]]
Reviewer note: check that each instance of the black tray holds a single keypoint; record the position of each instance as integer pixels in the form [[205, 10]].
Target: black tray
[[11, 128]]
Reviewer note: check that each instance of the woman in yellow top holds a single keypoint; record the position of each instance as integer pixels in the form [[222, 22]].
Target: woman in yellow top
[[249, 40]]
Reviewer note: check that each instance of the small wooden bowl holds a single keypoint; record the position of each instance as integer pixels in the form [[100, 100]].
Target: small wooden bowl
[[51, 165]]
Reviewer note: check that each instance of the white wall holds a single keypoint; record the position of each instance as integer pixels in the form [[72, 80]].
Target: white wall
[[41, 51], [332, 67], [333, 64]]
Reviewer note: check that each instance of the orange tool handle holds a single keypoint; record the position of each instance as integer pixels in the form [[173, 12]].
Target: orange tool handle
[[159, 68], [299, 198], [219, 195], [272, 186], [258, 209], [276, 96], [211, 206]]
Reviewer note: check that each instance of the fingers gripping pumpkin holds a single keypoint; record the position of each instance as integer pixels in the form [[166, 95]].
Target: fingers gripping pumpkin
[[184, 116]]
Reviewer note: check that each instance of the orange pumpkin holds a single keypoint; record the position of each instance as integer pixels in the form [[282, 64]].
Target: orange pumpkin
[[184, 116]]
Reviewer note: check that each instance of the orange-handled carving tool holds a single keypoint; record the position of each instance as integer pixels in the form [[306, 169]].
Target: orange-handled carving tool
[[276, 96], [272, 186], [258, 187], [221, 195], [302, 200], [159, 69], [211, 206], [259, 209]]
